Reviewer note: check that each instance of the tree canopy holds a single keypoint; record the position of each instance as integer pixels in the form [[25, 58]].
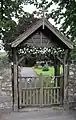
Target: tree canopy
[[64, 14]]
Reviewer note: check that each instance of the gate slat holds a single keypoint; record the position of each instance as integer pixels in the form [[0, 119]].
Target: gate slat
[[26, 97], [33, 96], [30, 97], [57, 95], [51, 96], [20, 95], [48, 96], [23, 97], [54, 95], [36, 96], [44, 96]]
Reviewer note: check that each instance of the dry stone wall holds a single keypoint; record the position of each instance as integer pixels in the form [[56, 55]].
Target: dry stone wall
[[71, 87]]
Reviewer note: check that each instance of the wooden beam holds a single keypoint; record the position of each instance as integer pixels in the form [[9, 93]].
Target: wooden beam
[[20, 60], [60, 60], [66, 56], [57, 68]]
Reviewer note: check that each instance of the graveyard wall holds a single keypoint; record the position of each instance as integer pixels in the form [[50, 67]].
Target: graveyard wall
[[70, 88]]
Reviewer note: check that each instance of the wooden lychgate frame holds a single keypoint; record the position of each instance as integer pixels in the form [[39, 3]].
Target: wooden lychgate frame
[[36, 35]]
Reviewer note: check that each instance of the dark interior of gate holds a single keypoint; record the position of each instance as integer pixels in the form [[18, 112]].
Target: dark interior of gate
[[40, 90]]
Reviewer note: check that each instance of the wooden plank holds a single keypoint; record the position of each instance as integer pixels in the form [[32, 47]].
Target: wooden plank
[[23, 97], [20, 95], [58, 95], [33, 96], [31, 88], [38, 105], [48, 96], [61, 91], [44, 96], [54, 96], [26, 97], [51, 96], [41, 90], [36, 96], [51, 87], [30, 97]]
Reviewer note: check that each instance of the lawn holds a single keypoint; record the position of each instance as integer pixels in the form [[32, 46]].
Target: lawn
[[50, 72]]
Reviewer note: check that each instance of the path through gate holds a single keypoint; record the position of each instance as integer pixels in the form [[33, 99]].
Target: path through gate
[[40, 91]]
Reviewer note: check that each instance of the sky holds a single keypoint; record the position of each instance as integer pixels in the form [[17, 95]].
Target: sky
[[31, 8]]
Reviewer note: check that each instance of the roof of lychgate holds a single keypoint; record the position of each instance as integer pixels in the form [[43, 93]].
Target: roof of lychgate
[[37, 25]]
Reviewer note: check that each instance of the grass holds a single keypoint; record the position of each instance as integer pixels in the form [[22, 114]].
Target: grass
[[50, 72]]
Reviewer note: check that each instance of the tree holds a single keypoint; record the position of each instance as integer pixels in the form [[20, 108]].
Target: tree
[[10, 9], [66, 15], [65, 11], [16, 30], [9, 29], [13, 9]]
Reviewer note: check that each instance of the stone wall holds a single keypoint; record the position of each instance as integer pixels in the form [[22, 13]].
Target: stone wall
[[71, 87]]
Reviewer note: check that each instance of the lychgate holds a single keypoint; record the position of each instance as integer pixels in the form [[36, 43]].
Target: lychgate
[[38, 92]]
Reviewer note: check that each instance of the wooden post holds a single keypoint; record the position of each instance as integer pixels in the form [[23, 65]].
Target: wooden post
[[57, 69], [15, 107], [65, 81], [57, 73], [19, 93], [12, 79]]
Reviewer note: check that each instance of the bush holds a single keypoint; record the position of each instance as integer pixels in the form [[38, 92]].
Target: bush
[[45, 69]]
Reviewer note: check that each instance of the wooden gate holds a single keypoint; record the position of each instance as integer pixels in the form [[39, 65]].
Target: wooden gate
[[40, 91]]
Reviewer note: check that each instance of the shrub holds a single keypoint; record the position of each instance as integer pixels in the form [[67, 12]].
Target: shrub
[[45, 69]]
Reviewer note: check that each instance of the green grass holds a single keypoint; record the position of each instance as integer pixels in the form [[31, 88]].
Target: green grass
[[50, 72]]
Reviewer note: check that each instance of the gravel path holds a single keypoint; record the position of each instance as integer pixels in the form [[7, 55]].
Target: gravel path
[[42, 114], [27, 72]]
